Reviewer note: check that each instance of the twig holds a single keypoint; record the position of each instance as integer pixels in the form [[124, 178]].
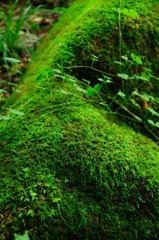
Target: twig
[[152, 133], [95, 69], [139, 120], [128, 111]]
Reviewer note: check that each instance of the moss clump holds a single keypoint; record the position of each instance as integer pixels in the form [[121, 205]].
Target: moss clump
[[69, 170], [91, 29]]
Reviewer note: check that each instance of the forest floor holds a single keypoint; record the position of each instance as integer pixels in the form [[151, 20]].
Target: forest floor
[[32, 31]]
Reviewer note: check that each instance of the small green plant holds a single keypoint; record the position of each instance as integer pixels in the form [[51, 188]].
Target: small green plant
[[129, 98], [133, 85]]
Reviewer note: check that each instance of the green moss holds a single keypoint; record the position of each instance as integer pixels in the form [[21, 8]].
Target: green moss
[[92, 29], [68, 169]]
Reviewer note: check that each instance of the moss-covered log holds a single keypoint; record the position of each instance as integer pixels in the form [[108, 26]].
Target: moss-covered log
[[68, 169], [91, 30]]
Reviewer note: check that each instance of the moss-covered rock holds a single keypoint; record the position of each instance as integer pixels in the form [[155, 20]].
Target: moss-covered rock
[[68, 169]]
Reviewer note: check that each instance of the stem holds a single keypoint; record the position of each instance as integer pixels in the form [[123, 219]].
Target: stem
[[95, 69], [120, 32], [138, 119]]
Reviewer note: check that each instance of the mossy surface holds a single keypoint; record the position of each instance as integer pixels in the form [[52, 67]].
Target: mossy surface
[[69, 170], [94, 31]]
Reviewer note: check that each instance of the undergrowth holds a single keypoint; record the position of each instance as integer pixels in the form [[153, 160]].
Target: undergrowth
[[17, 44], [22, 27], [12, 40], [129, 93]]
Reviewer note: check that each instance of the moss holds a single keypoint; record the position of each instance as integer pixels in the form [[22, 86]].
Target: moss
[[68, 169], [81, 37]]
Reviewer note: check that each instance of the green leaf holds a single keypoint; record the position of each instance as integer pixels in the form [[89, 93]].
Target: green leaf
[[119, 63], [130, 13], [146, 75], [15, 111], [147, 97], [153, 123], [97, 87], [121, 94], [144, 78], [105, 80], [78, 88], [123, 76], [125, 58], [134, 103], [101, 79], [135, 93], [157, 100], [133, 14], [125, 11], [153, 112], [147, 70], [90, 92], [136, 58]]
